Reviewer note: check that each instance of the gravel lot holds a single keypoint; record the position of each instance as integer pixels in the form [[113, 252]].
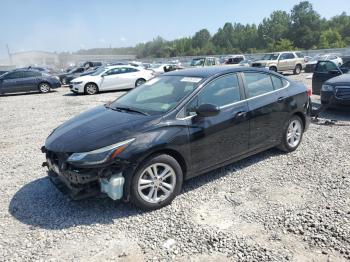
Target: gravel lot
[[269, 207]]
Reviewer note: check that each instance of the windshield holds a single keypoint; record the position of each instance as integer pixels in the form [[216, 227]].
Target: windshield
[[99, 71], [270, 57], [158, 95], [198, 62], [155, 65]]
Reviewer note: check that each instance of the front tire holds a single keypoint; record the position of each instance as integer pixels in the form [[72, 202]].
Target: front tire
[[273, 68], [292, 134], [297, 70], [44, 88], [91, 89], [156, 183]]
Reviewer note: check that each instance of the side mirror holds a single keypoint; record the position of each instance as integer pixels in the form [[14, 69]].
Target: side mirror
[[207, 110]]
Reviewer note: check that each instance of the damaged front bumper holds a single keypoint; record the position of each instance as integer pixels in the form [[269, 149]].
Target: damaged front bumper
[[80, 183]]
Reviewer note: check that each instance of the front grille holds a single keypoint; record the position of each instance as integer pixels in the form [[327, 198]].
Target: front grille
[[256, 65], [343, 93]]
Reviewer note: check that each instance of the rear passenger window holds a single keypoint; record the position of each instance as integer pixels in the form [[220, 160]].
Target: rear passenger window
[[257, 84], [277, 82]]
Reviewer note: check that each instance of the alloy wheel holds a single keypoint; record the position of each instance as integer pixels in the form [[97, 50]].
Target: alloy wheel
[[156, 183], [294, 133], [44, 88], [91, 89]]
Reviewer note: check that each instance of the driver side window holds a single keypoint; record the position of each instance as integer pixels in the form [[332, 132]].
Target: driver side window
[[220, 92], [325, 67]]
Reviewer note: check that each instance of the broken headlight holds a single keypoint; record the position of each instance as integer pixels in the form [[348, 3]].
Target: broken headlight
[[99, 156]]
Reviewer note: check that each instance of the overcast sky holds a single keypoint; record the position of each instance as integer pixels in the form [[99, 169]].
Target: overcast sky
[[71, 25]]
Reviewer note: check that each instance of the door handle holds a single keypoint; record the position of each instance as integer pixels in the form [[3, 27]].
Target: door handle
[[280, 99], [240, 114]]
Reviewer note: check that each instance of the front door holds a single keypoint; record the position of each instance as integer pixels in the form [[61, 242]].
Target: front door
[[324, 70], [10, 82], [214, 140]]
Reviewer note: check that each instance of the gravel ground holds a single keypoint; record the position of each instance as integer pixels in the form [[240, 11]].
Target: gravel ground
[[269, 207]]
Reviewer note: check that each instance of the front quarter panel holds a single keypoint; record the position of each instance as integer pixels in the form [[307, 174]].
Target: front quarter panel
[[169, 136]]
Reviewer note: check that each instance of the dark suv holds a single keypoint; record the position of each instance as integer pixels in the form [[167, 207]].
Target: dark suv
[[184, 123], [26, 80]]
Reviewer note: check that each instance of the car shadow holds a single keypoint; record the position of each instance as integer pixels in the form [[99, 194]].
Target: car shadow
[[100, 93], [26, 93], [331, 114], [40, 204]]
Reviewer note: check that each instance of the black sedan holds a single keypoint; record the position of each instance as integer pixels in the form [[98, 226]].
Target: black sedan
[[74, 72], [142, 146], [336, 91], [26, 80]]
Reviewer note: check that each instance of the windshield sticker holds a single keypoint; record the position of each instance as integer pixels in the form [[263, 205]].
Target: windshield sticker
[[152, 81], [191, 79]]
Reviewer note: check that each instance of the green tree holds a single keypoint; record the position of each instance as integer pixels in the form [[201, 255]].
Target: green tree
[[283, 45], [201, 38], [331, 39], [274, 28], [306, 25]]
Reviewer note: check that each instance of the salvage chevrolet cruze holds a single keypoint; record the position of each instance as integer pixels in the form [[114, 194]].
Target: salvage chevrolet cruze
[[142, 146]]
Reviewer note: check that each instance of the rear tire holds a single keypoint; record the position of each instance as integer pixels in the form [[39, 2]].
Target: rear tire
[[292, 134], [156, 183], [297, 70], [44, 88], [139, 82], [91, 89]]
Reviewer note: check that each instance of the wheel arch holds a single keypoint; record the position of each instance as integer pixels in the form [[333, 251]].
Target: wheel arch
[[302, 117], [168, 151]]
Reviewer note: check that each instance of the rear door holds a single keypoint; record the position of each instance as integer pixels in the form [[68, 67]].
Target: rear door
[[264, 110], [324, 70], [286, 61]]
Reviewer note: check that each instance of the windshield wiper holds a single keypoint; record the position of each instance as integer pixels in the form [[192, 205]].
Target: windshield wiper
[[129, 109]]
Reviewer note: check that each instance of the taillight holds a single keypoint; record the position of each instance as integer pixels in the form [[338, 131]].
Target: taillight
[[309, 92]]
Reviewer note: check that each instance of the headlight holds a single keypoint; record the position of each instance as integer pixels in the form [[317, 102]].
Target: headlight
[[99, 156], [77, 83], [327, 88]]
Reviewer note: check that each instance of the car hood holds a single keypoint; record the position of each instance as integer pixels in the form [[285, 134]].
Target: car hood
[[263, 61], [97, 128], [86, 78], [340, 80]]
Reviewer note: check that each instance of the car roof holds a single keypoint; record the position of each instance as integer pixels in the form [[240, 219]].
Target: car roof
[[118, 66], [206, 72]]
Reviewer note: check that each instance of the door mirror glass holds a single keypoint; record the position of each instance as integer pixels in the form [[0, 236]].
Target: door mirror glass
[[207, 110]]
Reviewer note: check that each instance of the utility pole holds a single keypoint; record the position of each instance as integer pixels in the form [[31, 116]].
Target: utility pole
[[9, 54]]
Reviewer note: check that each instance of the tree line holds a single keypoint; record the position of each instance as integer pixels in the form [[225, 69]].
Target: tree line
[[301, 28]]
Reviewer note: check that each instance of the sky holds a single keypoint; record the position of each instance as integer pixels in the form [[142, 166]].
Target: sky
[[70, 25]]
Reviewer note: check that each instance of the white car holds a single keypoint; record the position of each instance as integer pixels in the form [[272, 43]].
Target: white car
[[310, 66], [111, 78]]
